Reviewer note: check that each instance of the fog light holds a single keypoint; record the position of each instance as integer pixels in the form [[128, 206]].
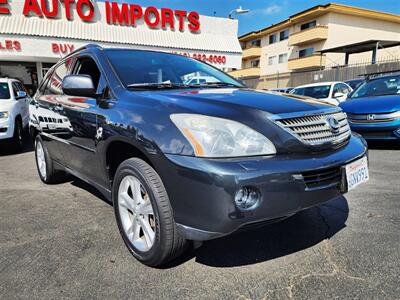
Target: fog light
[[247, 198]]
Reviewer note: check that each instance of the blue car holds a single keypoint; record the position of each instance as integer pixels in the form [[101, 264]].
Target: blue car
[[373, 109]]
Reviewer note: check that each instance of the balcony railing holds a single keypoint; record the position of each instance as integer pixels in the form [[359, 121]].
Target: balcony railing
[[248, 72], [315, 34], [315, 61], [252, 52]]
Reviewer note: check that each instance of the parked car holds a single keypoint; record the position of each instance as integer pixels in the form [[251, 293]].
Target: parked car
[[354, 83], [200, 80], [189, 163], [329, 92], [282, 90], [374, 108], [14, 112]]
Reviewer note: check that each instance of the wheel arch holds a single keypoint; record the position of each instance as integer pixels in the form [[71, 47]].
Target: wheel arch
[[118, 150]]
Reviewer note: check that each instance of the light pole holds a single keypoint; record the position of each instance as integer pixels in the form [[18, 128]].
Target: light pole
[[238, 11]]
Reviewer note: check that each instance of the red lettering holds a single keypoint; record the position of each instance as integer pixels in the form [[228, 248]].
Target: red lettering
[[46, 11], [4, 10], [151, 10], [79, 8], [31, 6], [70, 48], [55, 48], [181, 14], [17, 46], [120, 15], [136, 13], [9, 44], [223, 59], [194, 20], [167, 16], [108, 17], [67, 4]]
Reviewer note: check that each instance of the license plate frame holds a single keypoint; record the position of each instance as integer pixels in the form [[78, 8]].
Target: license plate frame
[[355, 173]]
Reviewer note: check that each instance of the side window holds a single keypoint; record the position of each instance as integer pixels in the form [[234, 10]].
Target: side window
[[345, 88], [87, 66], [53, 87], [16, 88]]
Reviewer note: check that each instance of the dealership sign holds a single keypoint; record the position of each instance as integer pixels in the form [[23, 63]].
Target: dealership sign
[[116, 14]]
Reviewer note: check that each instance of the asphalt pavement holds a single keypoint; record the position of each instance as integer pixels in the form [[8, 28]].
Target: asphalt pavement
[[61, 241]]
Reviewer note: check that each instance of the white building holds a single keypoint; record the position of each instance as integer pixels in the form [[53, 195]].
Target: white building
[[30, 44]]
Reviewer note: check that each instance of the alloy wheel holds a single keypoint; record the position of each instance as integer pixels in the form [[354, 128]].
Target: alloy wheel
[[136, 212], [41, 160]]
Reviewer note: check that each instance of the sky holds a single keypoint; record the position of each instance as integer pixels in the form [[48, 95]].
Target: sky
[[262, 13]]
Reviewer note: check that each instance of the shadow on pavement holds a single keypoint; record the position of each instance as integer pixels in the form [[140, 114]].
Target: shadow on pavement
[[294, 234], [384, 145], [6, 149]]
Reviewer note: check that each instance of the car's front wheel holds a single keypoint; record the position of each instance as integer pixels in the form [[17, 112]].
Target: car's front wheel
[[18, 136], [144, 214]]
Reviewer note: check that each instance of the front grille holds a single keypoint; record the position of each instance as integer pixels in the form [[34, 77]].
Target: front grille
[[323, 178], [373, 118], [315, 129], [377, 134]]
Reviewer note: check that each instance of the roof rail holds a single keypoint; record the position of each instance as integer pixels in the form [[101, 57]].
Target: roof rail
[[369, 76], [88, 46]]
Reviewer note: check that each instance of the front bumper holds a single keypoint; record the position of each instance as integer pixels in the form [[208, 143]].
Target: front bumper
[[6, 129], [378, 131], [202, 191]]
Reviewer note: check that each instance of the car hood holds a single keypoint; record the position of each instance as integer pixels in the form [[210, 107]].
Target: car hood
[[5, 105], [245, 98], [380, 104]]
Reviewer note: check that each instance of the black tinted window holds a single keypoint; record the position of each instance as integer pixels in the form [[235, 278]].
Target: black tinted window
[[308, 25], [4, 91]]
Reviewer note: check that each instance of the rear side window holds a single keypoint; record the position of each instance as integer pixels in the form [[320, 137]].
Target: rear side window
[[4, 91], [53, 86]]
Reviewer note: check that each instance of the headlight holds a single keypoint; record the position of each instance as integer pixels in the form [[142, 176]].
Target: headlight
[[216, 137], [3, 115]]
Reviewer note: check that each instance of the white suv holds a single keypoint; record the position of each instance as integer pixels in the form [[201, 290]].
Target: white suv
[[14, 111]]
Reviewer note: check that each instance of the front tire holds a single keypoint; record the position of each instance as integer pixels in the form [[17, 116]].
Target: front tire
[[18, 136], [144, 215]]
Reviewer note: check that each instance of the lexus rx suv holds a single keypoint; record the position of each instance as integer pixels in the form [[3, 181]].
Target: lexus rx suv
[[187, 162], [14, 111]]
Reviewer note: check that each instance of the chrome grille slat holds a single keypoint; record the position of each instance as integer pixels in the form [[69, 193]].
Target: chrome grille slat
[[314, 130]]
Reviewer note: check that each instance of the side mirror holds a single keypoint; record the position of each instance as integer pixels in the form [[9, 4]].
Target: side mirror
[[78, 85], [21, 95], [338, 95]]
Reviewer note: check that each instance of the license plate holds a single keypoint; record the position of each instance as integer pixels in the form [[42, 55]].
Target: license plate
[[357, 173]]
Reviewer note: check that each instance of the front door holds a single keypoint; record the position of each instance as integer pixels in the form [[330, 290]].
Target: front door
[[80, 148]]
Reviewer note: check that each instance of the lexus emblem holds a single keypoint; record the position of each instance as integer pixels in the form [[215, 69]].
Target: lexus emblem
[[333, 124], [370, 117]]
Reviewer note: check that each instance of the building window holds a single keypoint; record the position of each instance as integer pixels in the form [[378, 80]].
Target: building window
[[272, 60], [256, 43], [284, 35], [308, 25], [306, 52], [255, 63], [272, 38], [283, 58]]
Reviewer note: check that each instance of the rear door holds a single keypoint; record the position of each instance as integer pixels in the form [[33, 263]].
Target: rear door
[[47, 111]]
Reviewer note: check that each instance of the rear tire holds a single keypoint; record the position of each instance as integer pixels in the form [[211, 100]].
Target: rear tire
[[45, 166], [141, 206]]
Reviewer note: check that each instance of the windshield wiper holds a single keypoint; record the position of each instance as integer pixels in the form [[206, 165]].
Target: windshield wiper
[[218, 84], [156, 86]]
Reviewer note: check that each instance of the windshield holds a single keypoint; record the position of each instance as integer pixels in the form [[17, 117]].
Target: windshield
[[388, 85], [4, 91], [318, 92], [146, 69]]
